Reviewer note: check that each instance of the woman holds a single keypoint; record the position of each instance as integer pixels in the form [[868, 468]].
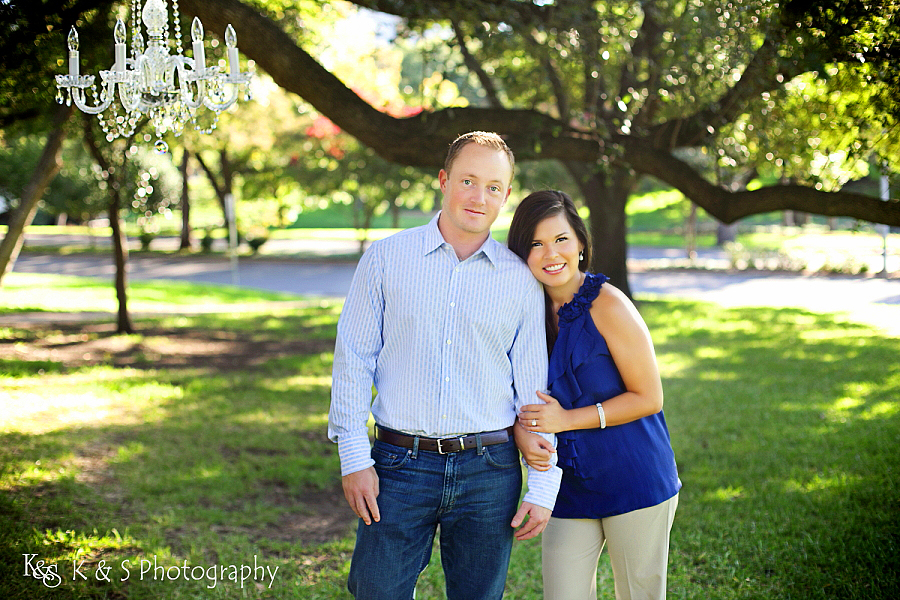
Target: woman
[[620, 484]]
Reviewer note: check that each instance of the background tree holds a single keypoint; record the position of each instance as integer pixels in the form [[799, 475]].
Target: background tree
[[21, 213], [30, 43], [112, 160], [614, 90]]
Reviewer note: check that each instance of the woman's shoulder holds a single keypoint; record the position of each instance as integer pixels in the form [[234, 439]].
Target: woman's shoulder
[[612, 309]]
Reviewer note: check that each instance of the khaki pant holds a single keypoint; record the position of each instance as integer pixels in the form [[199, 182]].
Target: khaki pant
[[638, 551]]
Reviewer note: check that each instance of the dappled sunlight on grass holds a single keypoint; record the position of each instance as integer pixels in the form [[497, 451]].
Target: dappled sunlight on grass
[[846, 404], [724, 494], [837, 483], [785, 427], [784, 423], [90, 398], [315, 380], [881, 410], [83, 294]]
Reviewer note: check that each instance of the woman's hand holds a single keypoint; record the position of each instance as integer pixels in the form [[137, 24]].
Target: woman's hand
[[535, 450], [545, 418]]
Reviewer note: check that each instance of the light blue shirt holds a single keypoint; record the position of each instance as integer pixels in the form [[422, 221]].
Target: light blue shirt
[[452, 347]]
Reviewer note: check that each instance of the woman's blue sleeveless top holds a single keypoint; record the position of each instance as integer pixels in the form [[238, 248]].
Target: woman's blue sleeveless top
[[610, 471]]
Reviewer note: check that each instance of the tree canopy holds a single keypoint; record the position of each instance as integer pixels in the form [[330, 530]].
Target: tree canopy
[[618, 90]]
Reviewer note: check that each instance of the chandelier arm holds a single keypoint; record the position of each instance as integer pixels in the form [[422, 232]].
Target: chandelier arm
[[131, 101], [220, 106], [197, 100], [79, 97], [186, 73]]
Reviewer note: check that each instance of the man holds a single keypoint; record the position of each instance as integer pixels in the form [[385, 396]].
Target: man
[[448, 326]]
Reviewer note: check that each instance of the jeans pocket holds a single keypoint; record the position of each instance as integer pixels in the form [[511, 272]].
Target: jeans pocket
[[390, 457], [502, 456]]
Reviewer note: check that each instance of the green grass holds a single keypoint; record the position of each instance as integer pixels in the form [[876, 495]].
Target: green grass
[[785, 425]]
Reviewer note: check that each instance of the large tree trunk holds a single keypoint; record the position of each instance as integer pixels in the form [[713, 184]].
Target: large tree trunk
[[606, 194], [47, 167]]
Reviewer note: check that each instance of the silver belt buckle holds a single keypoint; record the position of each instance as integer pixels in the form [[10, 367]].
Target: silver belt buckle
[[461, 444]]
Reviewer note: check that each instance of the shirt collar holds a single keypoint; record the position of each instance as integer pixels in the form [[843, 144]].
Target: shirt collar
[[491, 248]]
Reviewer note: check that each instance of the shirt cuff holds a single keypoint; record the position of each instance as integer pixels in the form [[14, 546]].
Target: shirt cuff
[[543, 486], [355, 453]]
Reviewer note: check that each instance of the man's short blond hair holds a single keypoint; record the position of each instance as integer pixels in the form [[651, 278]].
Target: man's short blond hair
[[482, 138]]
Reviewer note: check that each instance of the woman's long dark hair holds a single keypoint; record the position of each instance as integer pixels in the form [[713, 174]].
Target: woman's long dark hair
[[536, 207]]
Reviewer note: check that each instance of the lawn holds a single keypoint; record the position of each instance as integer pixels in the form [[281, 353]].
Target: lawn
[[190, 460]]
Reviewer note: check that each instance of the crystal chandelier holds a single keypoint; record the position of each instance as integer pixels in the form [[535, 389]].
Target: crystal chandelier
[[166, 88]]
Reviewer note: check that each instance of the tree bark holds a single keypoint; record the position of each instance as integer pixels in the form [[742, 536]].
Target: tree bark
[[47, 167], [120, 251], [186, 242], [606, 193], [730, 206]]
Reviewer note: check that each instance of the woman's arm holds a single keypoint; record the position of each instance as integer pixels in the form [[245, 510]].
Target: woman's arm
[[629, 342], [631, 348]]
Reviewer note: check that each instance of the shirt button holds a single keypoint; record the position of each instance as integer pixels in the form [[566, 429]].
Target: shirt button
[[446, 379], [452, 304], [449, 342]]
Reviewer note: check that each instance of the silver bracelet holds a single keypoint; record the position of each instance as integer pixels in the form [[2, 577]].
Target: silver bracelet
[[602, 416]]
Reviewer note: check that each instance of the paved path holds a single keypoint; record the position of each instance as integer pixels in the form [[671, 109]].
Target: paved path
[[871, 299]]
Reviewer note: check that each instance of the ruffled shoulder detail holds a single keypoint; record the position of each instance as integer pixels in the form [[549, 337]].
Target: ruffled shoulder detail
[[583, 299]]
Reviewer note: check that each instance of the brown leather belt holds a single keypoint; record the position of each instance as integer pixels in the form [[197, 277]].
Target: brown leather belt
[[443, 445]]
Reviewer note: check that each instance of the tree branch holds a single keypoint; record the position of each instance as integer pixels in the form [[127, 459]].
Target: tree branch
[[524, 13], [729, 207], [759, 75], [474, 66], [421, 141]]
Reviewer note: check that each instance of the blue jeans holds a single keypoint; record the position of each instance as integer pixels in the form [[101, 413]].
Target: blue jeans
[[473, 496]]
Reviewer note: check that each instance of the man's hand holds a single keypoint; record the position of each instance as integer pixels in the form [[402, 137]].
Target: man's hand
[[538, 516], [535, 450], [361, 490]]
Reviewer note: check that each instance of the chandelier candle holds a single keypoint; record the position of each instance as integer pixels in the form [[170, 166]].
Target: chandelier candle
[[199, 51], [73, 53], [119, 36], [231, 44]]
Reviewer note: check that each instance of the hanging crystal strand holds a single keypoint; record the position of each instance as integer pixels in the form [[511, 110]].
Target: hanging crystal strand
[[105, 127], [177, 17], [135, 28], [209, 129], [165, 31]]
